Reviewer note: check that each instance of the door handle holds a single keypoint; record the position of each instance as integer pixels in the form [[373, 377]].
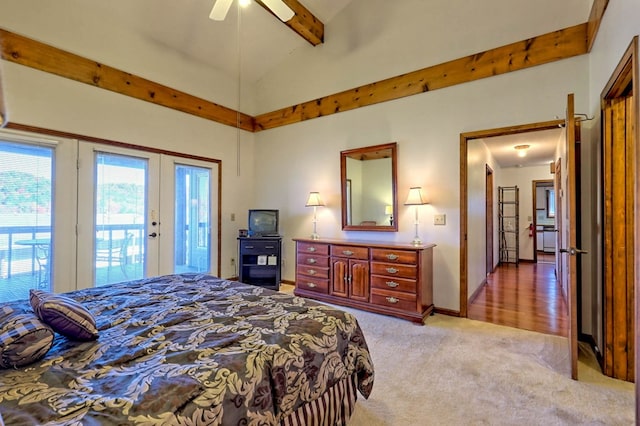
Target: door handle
[[153, 235], [573, 251]]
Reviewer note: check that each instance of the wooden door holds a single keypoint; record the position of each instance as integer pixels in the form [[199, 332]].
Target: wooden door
[[359, 280], [569, 249], [619, 230]]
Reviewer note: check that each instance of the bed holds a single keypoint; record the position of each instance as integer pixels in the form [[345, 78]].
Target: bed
[[192, 349]]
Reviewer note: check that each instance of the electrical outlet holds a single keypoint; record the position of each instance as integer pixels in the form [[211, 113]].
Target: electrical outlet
[[233, 261], [439, 219]]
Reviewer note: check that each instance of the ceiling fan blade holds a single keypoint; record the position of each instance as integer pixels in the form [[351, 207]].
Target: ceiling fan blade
[[280, 9], [220, 9]]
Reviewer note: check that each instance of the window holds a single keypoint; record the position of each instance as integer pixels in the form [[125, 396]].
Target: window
[[551, 203], [25, 218]]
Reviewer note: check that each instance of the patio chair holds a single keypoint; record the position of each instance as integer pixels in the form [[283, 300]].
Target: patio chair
[[115, 252]]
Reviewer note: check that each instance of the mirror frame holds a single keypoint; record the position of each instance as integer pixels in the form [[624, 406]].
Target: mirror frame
[[370, 150]]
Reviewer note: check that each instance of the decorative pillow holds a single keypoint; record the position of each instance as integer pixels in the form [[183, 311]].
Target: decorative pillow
[[64, 315], [23, 338]]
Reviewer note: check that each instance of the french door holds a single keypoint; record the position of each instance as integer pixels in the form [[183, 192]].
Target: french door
[[143, 214]]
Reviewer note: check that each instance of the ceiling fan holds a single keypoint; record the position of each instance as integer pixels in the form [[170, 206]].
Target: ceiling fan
[[278, 7]]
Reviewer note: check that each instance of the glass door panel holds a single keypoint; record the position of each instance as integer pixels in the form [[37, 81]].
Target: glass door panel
[[192, 219], [26, 188], [120, 197]]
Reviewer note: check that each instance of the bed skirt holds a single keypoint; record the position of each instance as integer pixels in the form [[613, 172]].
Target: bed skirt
[[333, 408]]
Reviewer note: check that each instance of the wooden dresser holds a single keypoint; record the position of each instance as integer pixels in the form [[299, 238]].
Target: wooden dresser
[[387, 278]]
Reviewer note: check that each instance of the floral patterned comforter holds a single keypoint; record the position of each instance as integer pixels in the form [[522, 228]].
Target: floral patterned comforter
[[185, 350]]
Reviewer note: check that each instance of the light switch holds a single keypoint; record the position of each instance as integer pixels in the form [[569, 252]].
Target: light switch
[[233, 217], [439, 219]]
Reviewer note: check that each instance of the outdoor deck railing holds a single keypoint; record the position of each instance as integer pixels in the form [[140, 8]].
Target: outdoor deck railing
[[15, 246]]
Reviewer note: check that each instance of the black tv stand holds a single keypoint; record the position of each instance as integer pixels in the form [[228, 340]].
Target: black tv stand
[[260, 260]]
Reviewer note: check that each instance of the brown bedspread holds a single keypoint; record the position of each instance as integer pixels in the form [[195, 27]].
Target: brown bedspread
[[185, 350]]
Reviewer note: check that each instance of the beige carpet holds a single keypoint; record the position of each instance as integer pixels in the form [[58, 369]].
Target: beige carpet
[[455, 371]]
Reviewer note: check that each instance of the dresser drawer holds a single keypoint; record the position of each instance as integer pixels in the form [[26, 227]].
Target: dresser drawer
[[394, 270], [313, 260], [350, 251], [258, 247], [394, 256], [393, 283], [393, 299], [312, 284], [313, 248], [313, 271]]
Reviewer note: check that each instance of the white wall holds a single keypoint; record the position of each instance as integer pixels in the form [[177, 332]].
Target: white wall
[[426, 127], [478, 156]]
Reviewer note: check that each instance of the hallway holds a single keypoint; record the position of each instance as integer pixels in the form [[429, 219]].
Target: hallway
[[526, 297]]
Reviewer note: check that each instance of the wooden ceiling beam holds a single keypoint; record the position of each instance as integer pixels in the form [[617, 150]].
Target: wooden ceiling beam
[[595, 18], [24, 51], [554, 46], [303, 23]]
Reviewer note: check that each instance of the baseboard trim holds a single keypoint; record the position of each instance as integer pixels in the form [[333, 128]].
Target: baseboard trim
[[477, 292], [449, 312]]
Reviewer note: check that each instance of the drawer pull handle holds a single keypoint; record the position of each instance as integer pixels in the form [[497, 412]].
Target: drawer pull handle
[[392, 256], [269, 247], [312, 261], [249, 247], [392, 284], [311, 271], [392, 300], [311, 285], [311, 249], [392, 270], [347, 252]]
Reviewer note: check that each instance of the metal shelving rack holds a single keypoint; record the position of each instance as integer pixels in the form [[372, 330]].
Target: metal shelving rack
[[509, 224]]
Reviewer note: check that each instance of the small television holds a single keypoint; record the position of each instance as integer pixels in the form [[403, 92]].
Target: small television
[[263, 223]]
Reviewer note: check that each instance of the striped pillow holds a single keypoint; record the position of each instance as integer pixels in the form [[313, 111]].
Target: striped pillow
[[23, 338], [64, 315]]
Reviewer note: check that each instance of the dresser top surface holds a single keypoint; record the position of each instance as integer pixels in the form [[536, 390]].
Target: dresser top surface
[[361, 243]]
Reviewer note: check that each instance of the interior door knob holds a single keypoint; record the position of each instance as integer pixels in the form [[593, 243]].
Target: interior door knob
[[153, 235]]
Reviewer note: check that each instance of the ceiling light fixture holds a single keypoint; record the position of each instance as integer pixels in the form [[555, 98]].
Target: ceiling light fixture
[[522, 150]]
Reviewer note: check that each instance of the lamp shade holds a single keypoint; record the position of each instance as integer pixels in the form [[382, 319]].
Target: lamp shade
[[415, 197], [314, 200]]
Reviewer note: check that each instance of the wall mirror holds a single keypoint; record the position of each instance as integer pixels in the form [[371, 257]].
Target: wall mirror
[[369, 196]]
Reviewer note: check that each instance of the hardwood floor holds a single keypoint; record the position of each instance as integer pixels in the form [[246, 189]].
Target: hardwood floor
[[526, 297]]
